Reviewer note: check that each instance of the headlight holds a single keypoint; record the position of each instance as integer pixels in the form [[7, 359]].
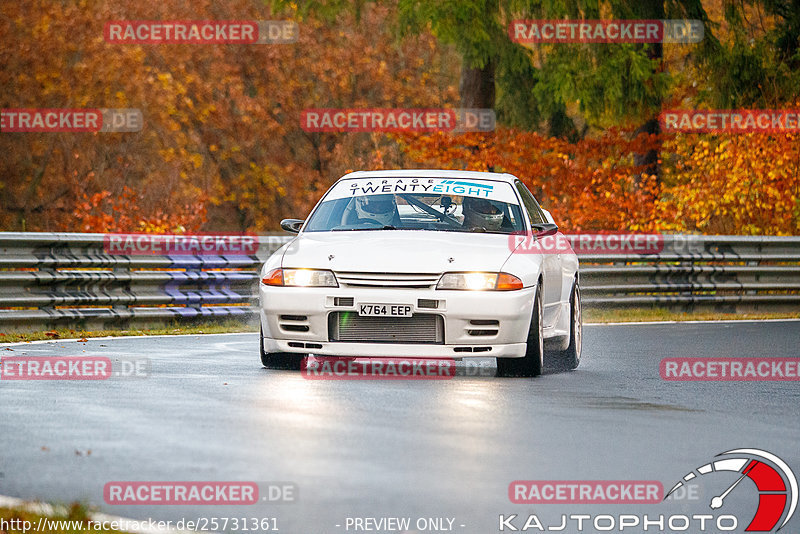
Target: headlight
[[479, 281], [300, 278]]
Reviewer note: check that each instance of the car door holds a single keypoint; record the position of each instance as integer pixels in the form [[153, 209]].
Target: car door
[[551, 261]]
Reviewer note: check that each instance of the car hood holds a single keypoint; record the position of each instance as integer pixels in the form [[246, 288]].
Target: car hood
[[398, 251]]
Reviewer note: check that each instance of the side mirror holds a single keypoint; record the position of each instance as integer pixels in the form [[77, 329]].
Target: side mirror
[[545, 229], [549, 216], [292, 225]]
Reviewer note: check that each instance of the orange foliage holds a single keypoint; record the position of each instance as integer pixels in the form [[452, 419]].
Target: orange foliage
[[711, 184], [734, 184], [222, 148], [590, 185], [221, 128], [103, 212]]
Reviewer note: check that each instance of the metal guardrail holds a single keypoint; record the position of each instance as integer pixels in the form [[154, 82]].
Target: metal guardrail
[[724, 273], [49, 280]]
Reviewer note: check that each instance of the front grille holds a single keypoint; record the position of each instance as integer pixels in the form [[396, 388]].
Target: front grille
[[388, 280], [419, 328]]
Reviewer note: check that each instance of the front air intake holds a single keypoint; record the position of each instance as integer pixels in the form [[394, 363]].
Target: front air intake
[[419, 328]]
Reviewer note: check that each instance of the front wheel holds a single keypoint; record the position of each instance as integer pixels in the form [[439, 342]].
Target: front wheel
[[278, 360], [533, 361], [571, 357]]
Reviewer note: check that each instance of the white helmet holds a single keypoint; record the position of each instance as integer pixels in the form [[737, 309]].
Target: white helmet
[[481, 213], [378, 208]]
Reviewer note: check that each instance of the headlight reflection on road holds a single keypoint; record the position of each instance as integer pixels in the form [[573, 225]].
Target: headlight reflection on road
[[288, 395], [466, 411], [465, 394]]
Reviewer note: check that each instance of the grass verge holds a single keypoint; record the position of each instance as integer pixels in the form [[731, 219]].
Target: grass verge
[[67, 333], [661, 314]]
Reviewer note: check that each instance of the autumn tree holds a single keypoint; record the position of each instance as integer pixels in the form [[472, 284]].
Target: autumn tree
[[222, 148]]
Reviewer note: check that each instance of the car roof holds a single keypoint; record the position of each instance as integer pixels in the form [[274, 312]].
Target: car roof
[[431, 173]]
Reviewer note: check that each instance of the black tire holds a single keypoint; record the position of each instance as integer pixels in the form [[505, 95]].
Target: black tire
[[571, 358], [279, 360], [533, 361]]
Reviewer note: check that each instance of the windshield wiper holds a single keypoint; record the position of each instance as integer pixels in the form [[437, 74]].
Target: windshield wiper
[[386, 227]]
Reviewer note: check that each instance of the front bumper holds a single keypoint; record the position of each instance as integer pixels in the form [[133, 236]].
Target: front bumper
[[475, 323]]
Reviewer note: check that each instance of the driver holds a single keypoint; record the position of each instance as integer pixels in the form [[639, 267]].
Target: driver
[[481, 213], [378, 208]]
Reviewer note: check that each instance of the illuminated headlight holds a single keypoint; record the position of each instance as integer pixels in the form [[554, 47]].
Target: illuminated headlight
[[300, 278], [479, 281]]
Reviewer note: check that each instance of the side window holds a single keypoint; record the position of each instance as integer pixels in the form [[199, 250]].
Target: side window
[[531, 206]]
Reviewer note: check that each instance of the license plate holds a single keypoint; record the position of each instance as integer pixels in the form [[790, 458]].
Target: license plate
[[384, 310]]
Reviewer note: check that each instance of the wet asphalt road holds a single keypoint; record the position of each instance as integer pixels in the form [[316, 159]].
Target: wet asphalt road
[[431, 449]]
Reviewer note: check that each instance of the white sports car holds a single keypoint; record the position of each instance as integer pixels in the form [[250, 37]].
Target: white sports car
[[423, 264]]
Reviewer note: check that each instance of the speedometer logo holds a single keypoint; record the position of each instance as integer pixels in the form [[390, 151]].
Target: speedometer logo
[[774, 480]]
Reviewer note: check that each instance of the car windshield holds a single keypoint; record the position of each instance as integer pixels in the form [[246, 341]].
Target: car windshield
[[418, 204]]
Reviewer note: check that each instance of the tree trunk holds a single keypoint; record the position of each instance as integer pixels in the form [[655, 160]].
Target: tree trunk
[[651, 10], [476, 86], [650, 158]]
